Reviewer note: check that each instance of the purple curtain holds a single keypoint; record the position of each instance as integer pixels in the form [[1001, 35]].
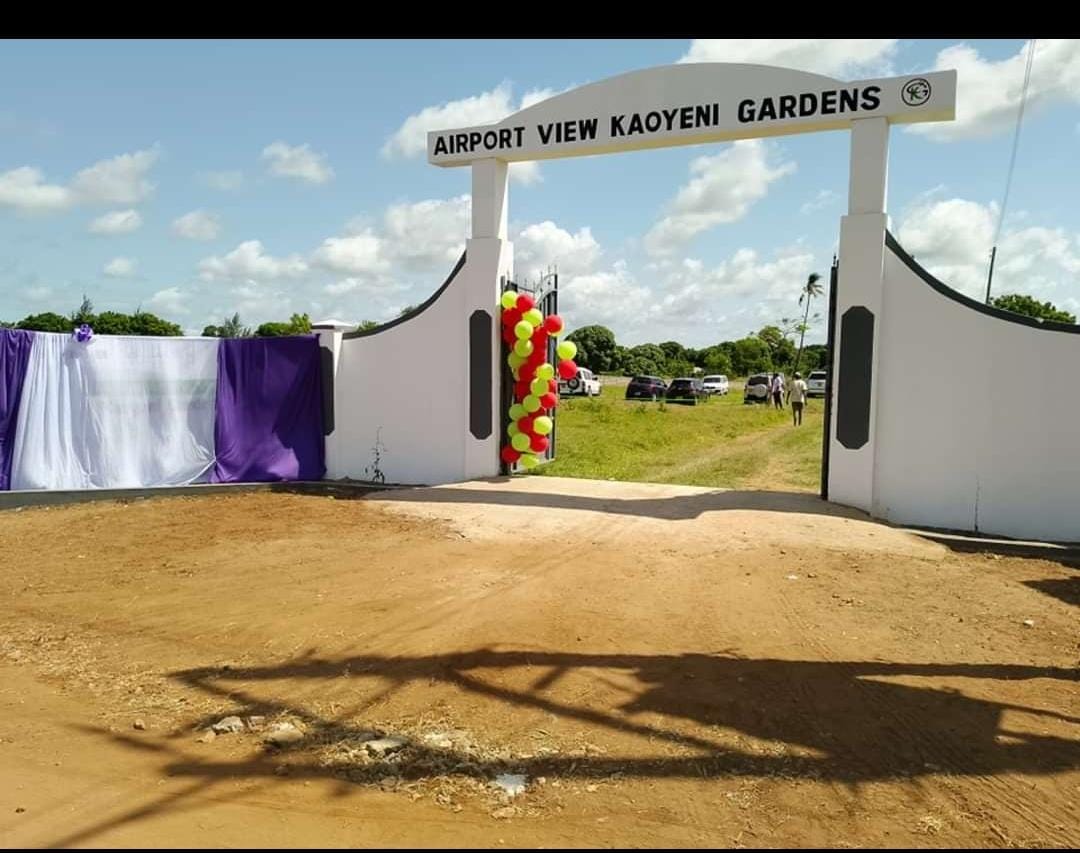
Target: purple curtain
[[14, 354], [269, 410]]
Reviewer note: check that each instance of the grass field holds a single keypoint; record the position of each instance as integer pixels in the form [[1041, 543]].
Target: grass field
[[721, 443]]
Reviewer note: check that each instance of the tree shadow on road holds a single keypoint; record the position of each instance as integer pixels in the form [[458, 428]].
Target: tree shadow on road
[[838, 721]]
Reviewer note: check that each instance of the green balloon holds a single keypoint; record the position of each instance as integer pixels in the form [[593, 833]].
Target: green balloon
[[523, 329], [528, 461], [567, 349], [533, 317], [520, 442], [531, 403], [515, 360], [539, 387], [543, 425], [545, 371], [523, 347], [513, 430], [509, 299], [517, 412]]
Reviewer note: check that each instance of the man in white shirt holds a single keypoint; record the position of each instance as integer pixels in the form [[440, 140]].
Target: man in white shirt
[[777, 390], [797, 398]]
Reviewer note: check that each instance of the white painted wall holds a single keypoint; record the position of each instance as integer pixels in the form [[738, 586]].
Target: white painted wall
[[408, 387], [976, 421]]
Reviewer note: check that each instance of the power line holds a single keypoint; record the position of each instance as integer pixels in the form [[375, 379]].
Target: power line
[[1012, 165]]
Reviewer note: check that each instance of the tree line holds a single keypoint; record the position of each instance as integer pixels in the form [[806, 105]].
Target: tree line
[[771, 348], [767, 350], [143, 323]]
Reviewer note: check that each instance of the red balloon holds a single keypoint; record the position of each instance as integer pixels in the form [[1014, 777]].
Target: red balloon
[[567, 368], [521, 390], [527, 372], [525, 302], [549, 400], [508, 334], [527, 425], [509, 455], [511, 317], [539, 443], [553, 324], [536, 359], [553, 386]]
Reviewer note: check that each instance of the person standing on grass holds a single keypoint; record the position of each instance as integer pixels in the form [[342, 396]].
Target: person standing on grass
[[778, 390], [797, 398]]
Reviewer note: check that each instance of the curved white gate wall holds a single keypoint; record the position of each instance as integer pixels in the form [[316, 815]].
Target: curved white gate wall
[[402, 392], [978, 418]]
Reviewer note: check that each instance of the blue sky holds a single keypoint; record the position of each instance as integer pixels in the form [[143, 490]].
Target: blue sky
[[196, 178]]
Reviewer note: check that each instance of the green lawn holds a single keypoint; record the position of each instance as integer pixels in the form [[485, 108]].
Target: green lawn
[[721, 443]]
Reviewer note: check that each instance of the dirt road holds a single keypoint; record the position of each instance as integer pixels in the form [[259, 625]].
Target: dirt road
[[663, 665]]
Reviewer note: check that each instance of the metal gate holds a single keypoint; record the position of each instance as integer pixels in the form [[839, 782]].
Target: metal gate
[[546, 293]]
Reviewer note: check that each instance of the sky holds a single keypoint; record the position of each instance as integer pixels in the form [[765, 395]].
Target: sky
[[195, 179]]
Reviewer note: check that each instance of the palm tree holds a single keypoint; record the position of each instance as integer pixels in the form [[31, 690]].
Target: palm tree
[[809, 291]]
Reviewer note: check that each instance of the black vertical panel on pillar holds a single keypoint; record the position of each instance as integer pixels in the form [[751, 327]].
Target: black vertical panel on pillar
[[326, 373], [480, 374], [855, 380], [830, 363]]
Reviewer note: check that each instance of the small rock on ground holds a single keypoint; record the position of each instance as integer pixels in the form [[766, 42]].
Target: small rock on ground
[[385, 745], [283, 733], [227, 725]]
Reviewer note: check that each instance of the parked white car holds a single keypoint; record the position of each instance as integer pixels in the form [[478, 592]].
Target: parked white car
[[584, 384], [715, 384], [815, 383]]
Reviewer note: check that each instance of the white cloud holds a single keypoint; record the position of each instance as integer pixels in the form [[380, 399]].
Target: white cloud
[[428, 234], [410, 139], [249, 261], [118, 180], [823, 199], [170, 301], [197, 225], [25, 190], [38, 293], [544, 244], [723, 188], [952, 238], [988, 92], [297, 161], [224, 181], [120, 268], [357, 253], [842, 58], [116, 222]]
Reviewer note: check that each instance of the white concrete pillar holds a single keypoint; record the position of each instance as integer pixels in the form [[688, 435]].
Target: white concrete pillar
[[489, 257], [489, 199], [859, 286], [330, 337]]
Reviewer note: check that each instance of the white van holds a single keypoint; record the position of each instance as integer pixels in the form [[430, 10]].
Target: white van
[[715, 384]]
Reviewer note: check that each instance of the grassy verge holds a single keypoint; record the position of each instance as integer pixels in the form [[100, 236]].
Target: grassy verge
[[721, 443]]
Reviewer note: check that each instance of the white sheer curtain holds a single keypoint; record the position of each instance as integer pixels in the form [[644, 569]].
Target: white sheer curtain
[[116, 412]]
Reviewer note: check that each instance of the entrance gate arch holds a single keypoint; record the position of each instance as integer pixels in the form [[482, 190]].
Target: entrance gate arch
[[697, 103], [917, 455]]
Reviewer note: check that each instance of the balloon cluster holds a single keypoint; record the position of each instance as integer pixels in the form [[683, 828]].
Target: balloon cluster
[[536, 391]]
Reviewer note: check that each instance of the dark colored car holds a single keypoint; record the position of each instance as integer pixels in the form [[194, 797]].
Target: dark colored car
[[687, 391], [646, 388]]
